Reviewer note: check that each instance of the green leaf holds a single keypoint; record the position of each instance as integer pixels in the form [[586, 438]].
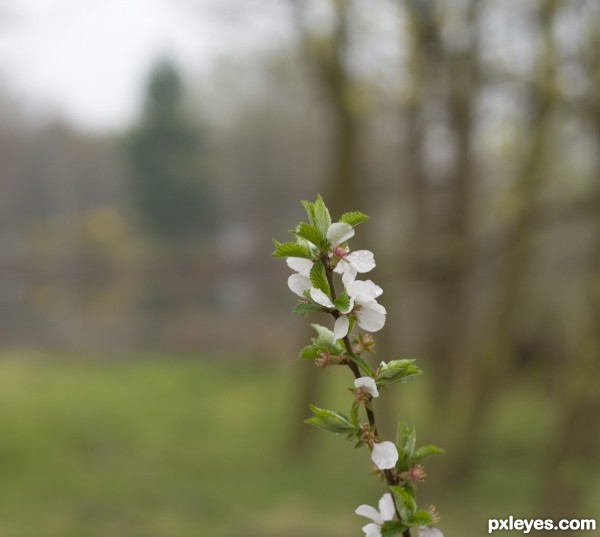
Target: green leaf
[[324, 341], [312, 234], [405, 501], [330, 420], [406, 438], [291, 249], [426, 451], [309, 353], [304, 308], [397, 371], [420, 518], [362, 365], [321, 216], [323, 334], [353, 218], [342, 302], [318, 277], [309, 207], [392, 527], [354, 414]]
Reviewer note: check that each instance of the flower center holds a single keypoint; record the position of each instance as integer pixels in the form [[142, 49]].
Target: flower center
[[361, 396], [339, 252]]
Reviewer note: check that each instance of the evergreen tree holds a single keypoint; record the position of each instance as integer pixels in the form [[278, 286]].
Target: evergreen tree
[[165, 153]]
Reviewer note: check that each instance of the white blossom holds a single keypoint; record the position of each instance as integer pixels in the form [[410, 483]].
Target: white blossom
[[339, 233], [300, 265], [386, 512], [320, 297], [428, 531], [368, 385], [370, 315], [359, 261], [384, 455], [299, 282], [340, 328]]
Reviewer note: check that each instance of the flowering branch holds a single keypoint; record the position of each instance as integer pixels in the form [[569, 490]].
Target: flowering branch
[[319, 252]]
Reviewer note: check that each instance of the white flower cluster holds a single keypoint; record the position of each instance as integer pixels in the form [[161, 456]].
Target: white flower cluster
[[386, 512], [363, 306]]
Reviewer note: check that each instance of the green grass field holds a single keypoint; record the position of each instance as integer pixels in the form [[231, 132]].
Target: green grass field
[[159, 448]]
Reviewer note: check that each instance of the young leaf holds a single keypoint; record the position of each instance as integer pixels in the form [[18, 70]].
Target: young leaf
[[321, 216], [309, 207], [354, 414], [312, 234], [308, 353], [391, 527], [420, 518], [405, 501], [397, 371], [318, 277], [405, 439], [304, 308], [323, 334], [291, 249], [330, 420], [342, 302], [426, 451], [353, 218]]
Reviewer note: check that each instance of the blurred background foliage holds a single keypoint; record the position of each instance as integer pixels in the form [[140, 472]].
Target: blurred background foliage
[[148, 381]]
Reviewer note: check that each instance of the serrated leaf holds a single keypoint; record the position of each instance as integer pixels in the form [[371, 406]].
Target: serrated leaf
[[397, 371], [318, 278], [308, 353], [426, 451], [305, 308], [312, 234], [353, 218], [322, 219], [420, 518], [309, 207], [291, 249], [329, 420], [342, 302], [324, 341], [405, 501], [406, 438], [391, 527], [323, 333]]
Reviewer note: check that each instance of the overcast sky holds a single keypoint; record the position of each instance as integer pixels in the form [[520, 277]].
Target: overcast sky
[[86, 60]]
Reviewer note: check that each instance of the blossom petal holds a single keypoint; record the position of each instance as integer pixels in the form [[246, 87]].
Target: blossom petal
[[339, 232], [369, 512], [344, 267], [348, 278], [372, 530], [384, 455], [367, 384], [426, 531], [387, 507], [371, 316], [340, 328], [320, 297], [364, 291], [362, 260], [299, 284], [300, 265]]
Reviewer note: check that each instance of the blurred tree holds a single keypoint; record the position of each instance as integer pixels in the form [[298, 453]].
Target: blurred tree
[[165, 154], [493, 351]]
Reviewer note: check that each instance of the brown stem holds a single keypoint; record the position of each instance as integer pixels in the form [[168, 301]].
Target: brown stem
[[389, 476]]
